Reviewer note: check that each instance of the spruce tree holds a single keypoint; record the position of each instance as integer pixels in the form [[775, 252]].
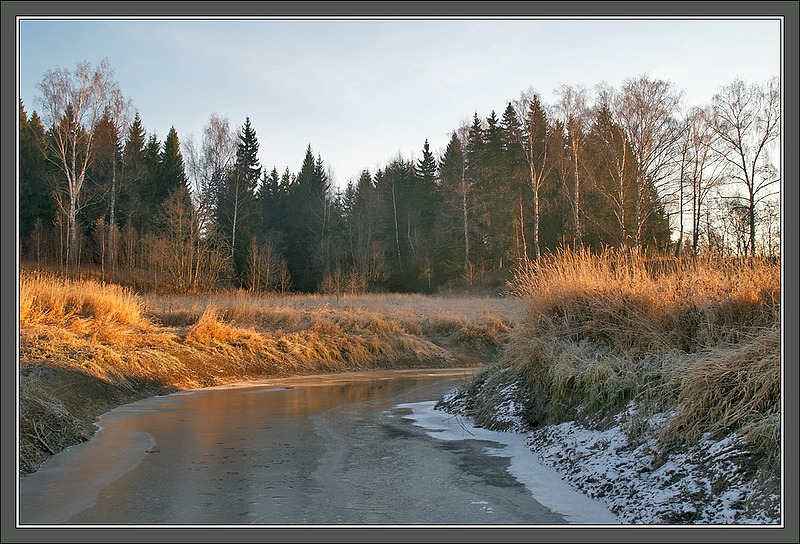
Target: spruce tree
[[426, 166], [271, 197], [515, 169], [496, 194], [100, 213], [308, 202], [454, 228], [424, 205], [37, 211], [542, 152], [172, 174], [237, 213], [134, 170], [148, 186]]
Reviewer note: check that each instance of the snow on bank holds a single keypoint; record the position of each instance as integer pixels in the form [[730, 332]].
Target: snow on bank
[[544, 483], [707, 484], [587, 474]]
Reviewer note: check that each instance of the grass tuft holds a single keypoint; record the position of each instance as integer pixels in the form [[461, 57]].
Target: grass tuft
[[47, 299]]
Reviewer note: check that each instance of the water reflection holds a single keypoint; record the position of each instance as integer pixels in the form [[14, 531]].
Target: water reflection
[[198, 457], [307, 400]]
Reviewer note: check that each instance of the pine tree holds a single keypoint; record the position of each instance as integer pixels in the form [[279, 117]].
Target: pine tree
[[37, 210], [454, 228], [237, 213], [172, 173]]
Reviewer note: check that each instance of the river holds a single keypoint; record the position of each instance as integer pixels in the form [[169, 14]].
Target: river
[[349, 449]]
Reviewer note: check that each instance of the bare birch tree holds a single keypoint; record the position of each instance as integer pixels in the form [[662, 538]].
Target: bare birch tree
[[645, 109], [702, 172], [207, 168], [73, 103], [575, 115], [208, 165], [746, 123], [535, 140]]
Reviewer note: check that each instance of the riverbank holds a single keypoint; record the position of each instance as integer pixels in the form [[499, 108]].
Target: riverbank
[[86, 347], [652, 386]]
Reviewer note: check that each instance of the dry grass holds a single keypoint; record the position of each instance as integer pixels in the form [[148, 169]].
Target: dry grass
[[698, 337], [585, 334], [733, 388], [104, 313], [210, 329], [417, 315], [103, 329], [630, 303]]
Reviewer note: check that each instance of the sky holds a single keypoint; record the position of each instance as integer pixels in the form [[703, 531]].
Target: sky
[[362, 92]]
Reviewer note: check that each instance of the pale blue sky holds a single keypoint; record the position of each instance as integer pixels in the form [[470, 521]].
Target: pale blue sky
[[362, 91]]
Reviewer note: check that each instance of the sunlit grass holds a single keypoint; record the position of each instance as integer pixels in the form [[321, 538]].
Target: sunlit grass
[[698, 338], [47, 299], [110, 332]]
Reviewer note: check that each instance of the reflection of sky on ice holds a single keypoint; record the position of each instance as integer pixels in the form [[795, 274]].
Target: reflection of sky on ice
[[544, 483]]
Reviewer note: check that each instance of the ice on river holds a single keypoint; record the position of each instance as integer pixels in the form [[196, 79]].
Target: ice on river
[[544, 483]]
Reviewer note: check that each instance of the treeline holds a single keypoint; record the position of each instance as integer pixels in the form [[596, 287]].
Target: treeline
[[626, 167]]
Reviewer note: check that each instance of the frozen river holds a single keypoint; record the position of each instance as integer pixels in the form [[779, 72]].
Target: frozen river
[[326, 450]]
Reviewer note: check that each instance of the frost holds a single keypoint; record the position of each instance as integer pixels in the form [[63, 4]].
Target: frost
[[709, 483]]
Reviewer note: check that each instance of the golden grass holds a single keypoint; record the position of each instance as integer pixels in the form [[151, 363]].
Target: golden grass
[[108, 345], [47, 299], [117, 336], [630, 303], [210, 328], [417, 315], [697, 336], [585, 334]]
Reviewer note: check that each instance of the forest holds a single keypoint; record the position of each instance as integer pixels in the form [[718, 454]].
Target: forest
[[629, 168]]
